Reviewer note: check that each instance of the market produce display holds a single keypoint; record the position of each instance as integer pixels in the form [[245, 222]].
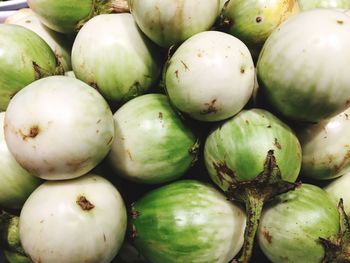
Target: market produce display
[[192, 131]]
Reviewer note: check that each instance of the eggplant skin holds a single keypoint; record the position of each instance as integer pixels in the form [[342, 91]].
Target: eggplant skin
[[291, 225], [187, 221]]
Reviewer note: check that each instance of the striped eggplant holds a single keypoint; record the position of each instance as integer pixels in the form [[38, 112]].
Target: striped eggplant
[[111, 54], [170, 22], [152, 143], [24, 58], [253, 157], [291, 225], [68, 16], [187, 221], [252, 21], [60, 44], [301, 67]]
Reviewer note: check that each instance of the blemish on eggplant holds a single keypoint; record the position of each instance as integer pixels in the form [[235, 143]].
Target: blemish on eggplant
[[37, 71], [210, 108], [110, 140], [76, 164], [258, 19], [133, 212], [133, 232], [104, 237], [94, 85], [185, 66], [347, 102], [84, 203], [267, 236], [160, 116], [343, 162], [33, 132], [340, 22], [129, 154], [176, 74], [277, 144], [13, 94], [222, 169], [227, 22]]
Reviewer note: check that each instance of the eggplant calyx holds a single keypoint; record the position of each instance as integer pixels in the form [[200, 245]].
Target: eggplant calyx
[[254, 194], [134, 214], [40, 72], [194, 151], [118, 6], [338, 248], [9, 232], [110, 7], [104, 7]]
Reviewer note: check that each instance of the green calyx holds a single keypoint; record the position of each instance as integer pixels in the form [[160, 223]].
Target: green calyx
[[9, 233], [254, 194], [338, 248], [104, 7]]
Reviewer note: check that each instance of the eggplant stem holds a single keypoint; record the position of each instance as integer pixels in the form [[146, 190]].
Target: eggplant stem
[[254, 194], [118, 6], [254, 205]]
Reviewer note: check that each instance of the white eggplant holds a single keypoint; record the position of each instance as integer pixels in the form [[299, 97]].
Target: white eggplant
[[302, 67], [59, 128], [210, 77], [16, 183], [326, 147], [173, 21], [78, 220]]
